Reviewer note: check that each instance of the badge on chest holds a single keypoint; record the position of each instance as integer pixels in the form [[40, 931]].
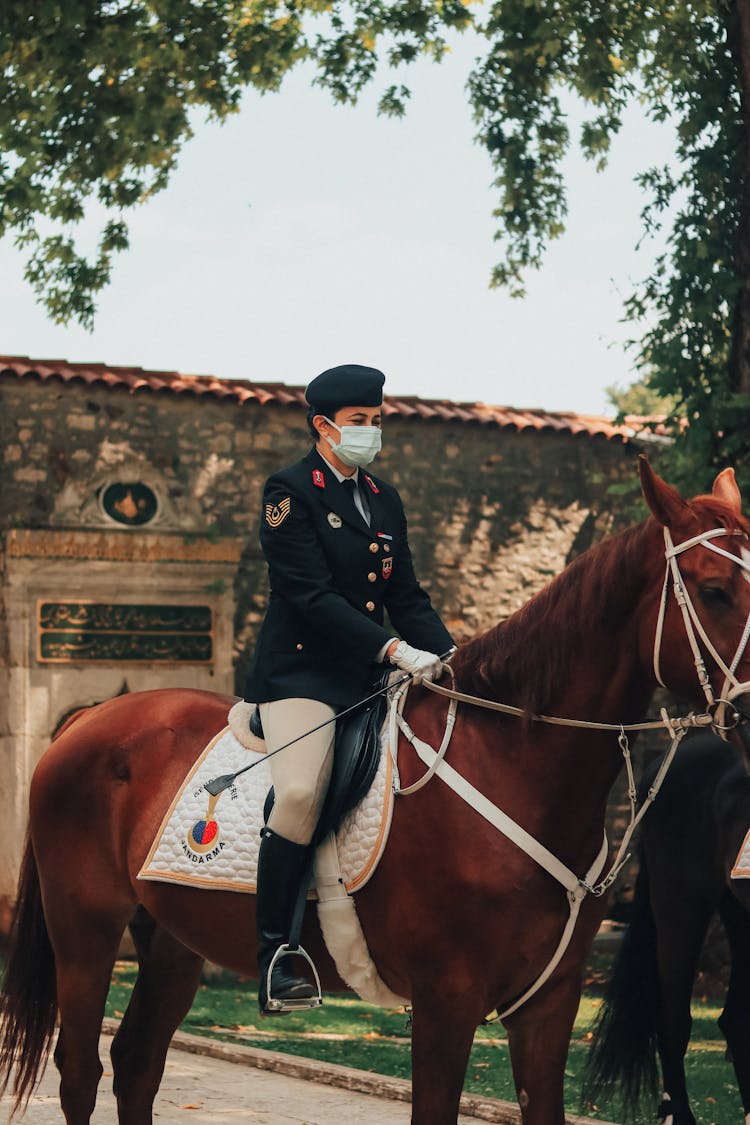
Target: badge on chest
[[387, 567], [334, 520]]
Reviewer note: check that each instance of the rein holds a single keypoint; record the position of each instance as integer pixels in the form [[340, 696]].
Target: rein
[[677, 728], [578, 887]]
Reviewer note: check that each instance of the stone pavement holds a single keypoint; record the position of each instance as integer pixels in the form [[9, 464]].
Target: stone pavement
[[198, 1090], [207, 1081]]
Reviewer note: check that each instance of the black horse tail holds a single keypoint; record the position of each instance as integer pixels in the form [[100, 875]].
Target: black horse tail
[[28, 997], [621, 1064]]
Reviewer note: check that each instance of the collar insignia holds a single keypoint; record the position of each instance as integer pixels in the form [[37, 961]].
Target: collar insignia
[[318, 478], [371, 483]]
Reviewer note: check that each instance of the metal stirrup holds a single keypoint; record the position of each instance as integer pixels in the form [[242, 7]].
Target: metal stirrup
[[291, 1004]]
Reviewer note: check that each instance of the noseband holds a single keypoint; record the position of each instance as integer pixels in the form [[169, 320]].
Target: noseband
[[732, 687]]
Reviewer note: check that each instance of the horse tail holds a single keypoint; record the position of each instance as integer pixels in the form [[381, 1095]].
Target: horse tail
[[621, 1064], [28, 997]]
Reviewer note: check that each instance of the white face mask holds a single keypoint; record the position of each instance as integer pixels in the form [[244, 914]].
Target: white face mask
[[359, 444]]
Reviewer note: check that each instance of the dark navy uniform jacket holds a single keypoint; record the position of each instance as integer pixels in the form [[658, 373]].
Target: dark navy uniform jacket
[[331, 577]]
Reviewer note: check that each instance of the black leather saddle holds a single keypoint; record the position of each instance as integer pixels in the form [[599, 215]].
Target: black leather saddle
[[355, 761]]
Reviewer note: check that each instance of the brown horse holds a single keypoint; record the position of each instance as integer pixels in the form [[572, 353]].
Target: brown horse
[[456, 917]]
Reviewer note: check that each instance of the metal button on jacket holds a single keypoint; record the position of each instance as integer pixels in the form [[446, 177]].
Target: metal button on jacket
[[300, 646], [370, 606], [374, 547], [372, 576]]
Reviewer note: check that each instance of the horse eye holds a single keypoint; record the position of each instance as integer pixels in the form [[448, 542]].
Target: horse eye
[[714, 596]]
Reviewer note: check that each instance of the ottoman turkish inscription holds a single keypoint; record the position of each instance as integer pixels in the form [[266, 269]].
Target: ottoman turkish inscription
[[71, 632]]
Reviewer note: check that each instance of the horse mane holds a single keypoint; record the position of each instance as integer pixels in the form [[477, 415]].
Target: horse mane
[[524, 659]]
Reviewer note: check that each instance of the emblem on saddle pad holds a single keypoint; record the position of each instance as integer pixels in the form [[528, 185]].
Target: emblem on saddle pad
[[203, 836], [277, 513], [203, 840]]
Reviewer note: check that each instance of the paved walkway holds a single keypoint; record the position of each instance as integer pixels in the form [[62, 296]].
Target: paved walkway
[[198, 1090], [207, 1081]]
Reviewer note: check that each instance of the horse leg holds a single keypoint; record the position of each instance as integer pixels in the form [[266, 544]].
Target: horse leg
[[442, 1034], [733, 1021], [680, 932], [539, 1040], [168, 976], [83, 964]]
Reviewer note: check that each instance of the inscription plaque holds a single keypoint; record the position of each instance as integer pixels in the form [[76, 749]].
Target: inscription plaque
[[74, 632]]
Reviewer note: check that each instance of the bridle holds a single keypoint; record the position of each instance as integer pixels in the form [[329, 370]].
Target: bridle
[[716, 717], [722, 709]]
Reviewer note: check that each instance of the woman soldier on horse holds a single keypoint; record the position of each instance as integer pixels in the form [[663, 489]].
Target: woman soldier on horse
[[458, 918], [335, 541]]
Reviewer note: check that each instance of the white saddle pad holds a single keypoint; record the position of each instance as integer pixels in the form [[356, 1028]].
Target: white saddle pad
[[214, 842]]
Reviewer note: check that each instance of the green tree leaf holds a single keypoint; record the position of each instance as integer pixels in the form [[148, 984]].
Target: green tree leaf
[[96, 98]]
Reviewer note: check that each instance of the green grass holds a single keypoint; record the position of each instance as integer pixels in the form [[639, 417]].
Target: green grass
[[352, 1033]]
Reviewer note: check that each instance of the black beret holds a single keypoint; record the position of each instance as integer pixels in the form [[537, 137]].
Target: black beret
[[348, 385]]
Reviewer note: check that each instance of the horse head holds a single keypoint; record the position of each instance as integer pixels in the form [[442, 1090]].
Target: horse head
[[699, 633]]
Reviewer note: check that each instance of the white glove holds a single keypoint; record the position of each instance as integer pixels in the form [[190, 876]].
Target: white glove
[[422, 665]]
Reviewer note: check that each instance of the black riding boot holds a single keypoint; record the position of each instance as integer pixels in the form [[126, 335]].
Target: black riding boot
[[281, 865]]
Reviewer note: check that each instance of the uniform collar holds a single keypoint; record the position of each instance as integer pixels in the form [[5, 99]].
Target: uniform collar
[[326, 484], [340, 476], [328, 467]]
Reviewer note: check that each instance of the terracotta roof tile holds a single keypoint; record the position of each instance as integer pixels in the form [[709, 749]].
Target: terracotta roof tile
[[136, 380]]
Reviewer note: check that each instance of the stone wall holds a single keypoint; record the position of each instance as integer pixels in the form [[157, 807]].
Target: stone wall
[[72, 568], [494, 513]]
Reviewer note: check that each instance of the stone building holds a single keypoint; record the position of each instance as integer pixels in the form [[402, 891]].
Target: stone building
[[128, 530]]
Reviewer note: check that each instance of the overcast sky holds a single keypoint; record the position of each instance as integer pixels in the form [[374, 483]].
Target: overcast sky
[[303, 234]]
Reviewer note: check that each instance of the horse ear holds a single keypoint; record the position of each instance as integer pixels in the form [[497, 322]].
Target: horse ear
[[725, 488], [665, 502]]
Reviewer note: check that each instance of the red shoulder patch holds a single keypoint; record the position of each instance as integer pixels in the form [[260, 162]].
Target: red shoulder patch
[[371, 483], [318, 478]]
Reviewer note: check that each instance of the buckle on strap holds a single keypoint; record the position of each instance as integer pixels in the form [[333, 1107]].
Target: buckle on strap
[[601, 888], [724, 715]]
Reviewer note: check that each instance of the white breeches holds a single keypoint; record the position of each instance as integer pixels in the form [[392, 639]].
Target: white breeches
[[300, 774]]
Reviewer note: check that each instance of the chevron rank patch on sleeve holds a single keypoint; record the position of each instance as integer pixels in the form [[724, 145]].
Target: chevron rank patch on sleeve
[[277, 513]]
